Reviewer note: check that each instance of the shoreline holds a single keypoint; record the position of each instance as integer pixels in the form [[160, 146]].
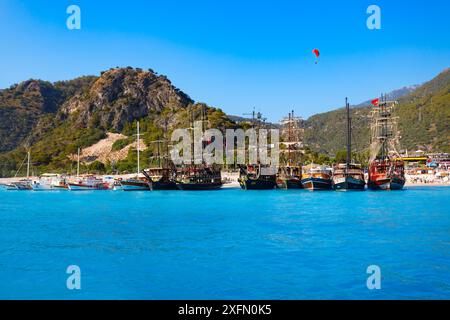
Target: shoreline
[[429, 184]]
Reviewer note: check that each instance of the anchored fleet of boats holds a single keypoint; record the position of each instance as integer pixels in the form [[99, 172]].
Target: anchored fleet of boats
[[385, 171]]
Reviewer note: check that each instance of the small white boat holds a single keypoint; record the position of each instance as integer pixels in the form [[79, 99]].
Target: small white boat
[[49, 181], [22, 185], [138, 183], [110, 181], [88, 183]]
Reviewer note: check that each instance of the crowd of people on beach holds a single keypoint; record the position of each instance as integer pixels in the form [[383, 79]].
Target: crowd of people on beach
[[427, 179]]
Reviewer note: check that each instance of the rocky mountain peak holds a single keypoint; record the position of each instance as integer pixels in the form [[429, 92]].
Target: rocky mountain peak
[[121, 95]]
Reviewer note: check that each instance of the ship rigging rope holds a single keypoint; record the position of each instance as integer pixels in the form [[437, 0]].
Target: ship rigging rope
[[20, 167]]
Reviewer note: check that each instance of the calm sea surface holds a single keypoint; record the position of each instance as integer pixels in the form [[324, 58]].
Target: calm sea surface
[[228, 244]]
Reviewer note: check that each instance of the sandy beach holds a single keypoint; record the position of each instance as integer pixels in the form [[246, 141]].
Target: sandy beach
[[231, 180]]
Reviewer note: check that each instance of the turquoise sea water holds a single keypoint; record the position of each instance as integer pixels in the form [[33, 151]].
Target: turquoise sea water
[[227, 244]]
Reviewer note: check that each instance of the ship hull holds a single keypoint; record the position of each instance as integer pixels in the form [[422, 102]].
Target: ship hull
[[348, 183], [84, 187], [42, 187], [379, 184], [258, 184], [199, 186], [397, 184], [289, 184], [164, 185], [388, 184], [317, 184], [135, 186], [48, 187], [24, 188], [21, 186]]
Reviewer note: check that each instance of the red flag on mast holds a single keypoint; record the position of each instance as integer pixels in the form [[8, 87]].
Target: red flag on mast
[[375, 102]]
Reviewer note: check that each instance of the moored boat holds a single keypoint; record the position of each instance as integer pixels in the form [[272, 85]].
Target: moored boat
[[162, 175], [160, 178], [386, 169], [110, 181], [385, 174], [198, 177], [87, 183], [21, 185], [257, 177], [397, 173], [136, 184], [289, 175], [348, 175], [49, 182], [254, 175], [139, 182], [317, 178]]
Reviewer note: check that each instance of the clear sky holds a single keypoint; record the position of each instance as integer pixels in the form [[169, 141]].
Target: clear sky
[[232, 54]]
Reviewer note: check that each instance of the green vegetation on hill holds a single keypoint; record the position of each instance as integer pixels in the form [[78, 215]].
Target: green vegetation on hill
[[424, 117], [24, 105], [327, 132]]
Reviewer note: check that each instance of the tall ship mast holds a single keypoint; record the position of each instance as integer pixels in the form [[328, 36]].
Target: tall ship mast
[[256, 176], [23, 184], [137, 183], [386, 169], [348, 175], [198, 176], [289, 174], [162, 176]]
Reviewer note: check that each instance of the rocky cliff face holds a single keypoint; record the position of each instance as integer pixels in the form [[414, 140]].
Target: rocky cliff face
[[122, 95]]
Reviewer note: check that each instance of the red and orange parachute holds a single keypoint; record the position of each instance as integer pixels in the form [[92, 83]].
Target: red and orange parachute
[[317, 54]]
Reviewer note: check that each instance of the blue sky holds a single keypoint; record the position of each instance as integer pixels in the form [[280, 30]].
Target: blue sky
[[235, 55]]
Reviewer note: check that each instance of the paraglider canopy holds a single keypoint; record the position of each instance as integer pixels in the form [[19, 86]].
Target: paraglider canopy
[[316, 53]]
